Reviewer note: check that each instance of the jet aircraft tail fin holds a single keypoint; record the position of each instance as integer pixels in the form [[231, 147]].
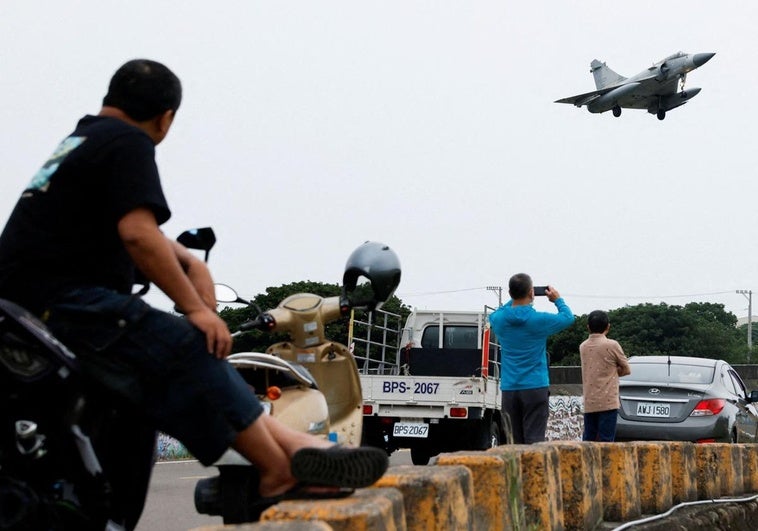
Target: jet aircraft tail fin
[[604, 76]]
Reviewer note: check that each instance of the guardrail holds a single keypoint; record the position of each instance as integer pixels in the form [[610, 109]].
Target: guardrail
[[561, 485]]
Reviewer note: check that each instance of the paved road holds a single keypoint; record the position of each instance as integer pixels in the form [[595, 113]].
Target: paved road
[[170, 501]]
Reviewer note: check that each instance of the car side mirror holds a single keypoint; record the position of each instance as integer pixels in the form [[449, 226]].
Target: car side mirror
[[752, 397]]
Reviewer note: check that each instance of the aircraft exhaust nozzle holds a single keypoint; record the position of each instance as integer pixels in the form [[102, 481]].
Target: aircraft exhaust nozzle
[[700, 59]]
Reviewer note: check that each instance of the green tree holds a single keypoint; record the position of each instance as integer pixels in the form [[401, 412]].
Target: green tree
[[750, 354], [696, 329], [563, 348]]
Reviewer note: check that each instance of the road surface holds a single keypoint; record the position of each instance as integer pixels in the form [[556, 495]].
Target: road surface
[[170, 502]]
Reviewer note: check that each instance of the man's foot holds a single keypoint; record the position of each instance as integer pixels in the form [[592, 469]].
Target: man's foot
[[339, 466]]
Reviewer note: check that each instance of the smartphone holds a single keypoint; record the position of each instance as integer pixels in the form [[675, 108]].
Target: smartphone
[[540, 291]]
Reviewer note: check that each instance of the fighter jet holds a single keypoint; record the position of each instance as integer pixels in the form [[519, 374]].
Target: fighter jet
[[656, 89]]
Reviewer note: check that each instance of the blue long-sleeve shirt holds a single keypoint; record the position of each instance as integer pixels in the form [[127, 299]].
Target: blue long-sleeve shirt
[[522, 333]]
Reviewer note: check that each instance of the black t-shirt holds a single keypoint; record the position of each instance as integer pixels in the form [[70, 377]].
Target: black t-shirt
[[63, 231]]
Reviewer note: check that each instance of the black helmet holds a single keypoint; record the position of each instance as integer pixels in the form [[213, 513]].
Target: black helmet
[[381, 267]]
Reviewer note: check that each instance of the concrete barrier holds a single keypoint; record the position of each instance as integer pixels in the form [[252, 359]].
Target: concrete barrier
[[497, 489], [434, 497], [581, 482], [749, 467], [290, 525], [547, 486], [732, 483], [374, 509], [540, 483], [683, 472], [621, 494], [708, 466], [654, 476]]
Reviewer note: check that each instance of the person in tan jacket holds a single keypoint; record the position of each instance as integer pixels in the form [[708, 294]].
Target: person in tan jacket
[[603, 361]]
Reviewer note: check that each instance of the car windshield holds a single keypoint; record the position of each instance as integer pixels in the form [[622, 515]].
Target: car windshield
[[677, 373]]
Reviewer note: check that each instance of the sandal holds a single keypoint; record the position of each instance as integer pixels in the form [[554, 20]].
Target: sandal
[[339, 466]]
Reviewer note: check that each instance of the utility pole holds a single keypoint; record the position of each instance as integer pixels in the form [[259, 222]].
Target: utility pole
[[499, 290], [748, 294]]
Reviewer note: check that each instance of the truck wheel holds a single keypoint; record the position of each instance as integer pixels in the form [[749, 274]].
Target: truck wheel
[[486, 435], [420, 456], [494, 435]]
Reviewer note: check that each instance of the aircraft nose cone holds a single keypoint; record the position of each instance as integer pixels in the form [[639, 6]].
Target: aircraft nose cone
[[701, 58]]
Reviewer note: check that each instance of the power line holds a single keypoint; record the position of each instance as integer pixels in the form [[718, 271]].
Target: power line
[[648, 296], [580, 296], [440, 292]]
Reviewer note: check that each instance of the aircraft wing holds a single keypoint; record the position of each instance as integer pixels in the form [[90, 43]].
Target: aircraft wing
[[584, 99]]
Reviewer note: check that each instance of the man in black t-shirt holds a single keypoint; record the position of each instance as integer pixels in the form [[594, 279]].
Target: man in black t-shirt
[[87, 221]]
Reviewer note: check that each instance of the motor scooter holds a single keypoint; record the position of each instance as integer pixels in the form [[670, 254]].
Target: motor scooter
[[70, 454], [310, 382]]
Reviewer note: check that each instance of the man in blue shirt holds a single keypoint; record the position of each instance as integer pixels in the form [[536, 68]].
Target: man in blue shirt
[[522, 333]]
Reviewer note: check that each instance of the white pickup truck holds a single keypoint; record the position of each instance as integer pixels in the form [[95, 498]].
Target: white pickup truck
[[432, 386]]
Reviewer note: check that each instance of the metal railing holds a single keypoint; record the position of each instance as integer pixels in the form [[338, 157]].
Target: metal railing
[[375, 342], [493, 347]]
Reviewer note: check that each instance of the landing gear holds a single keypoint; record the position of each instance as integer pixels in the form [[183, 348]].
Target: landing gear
[[617, 111], [661, 114]]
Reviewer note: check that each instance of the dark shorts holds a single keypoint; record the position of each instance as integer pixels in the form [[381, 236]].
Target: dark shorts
[[158, 363]]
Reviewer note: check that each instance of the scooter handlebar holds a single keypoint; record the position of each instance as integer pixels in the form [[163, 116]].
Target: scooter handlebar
[[263, 322]]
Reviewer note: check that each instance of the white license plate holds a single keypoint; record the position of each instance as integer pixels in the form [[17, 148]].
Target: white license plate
[[411, 429], [653, 409]]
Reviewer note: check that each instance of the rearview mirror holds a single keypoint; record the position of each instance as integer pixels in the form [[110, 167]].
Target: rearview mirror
[[203, 239], [225, 293]]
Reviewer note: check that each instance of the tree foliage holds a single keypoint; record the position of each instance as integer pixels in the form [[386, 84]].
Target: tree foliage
[[754, 332], [258, 341], [703, 330]]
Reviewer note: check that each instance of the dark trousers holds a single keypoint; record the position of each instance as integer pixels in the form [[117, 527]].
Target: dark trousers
[[600, 426], [528, 410]]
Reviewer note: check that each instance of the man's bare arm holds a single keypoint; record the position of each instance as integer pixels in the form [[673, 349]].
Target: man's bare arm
[[157, 258], [198, 273]]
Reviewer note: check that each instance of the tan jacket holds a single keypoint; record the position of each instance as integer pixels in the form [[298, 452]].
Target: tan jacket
[[603, 361]]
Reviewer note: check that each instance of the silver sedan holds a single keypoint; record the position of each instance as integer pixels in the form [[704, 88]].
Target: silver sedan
[[674, 398]]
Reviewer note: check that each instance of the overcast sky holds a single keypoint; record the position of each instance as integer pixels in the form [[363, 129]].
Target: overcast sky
[[309, 127]]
